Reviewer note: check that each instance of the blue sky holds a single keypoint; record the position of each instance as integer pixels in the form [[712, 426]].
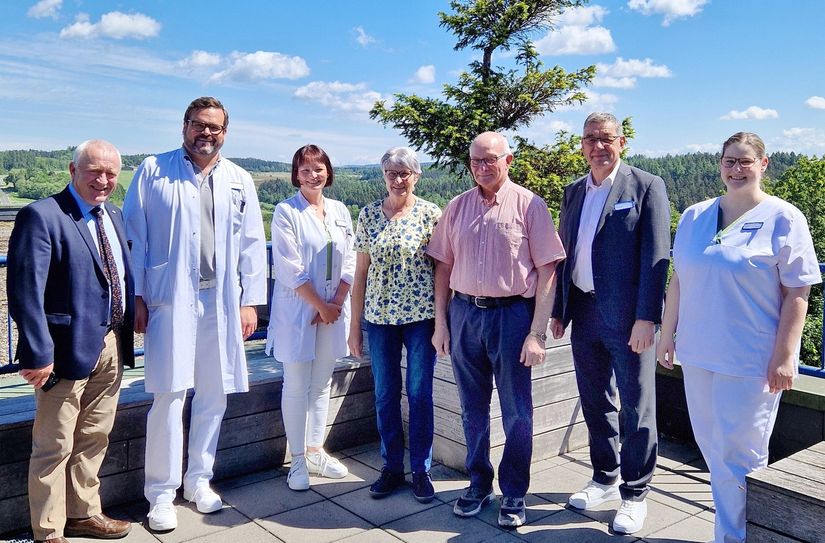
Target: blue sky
[[689, 72]]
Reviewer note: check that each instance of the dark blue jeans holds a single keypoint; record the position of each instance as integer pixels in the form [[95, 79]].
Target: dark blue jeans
[[486, 343], [385, 342], [605, 363]]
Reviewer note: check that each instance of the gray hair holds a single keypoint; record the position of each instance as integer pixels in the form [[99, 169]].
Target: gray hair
[[604, 118], [80, 150], [401, 156]]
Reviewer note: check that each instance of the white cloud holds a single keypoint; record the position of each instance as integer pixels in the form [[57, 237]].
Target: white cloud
[[581, 16], [703, 147], [754, 112], [622, 73], [201, 59], [594, 101], [45, 8], [815, 102], [114, 25], [341, 96], [671, 9], [576, 40], [362, 37], [424, 75], [261, 65], [800, 140]]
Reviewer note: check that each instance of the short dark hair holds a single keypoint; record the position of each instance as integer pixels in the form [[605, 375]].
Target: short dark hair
[[205, 102], [311, 153]]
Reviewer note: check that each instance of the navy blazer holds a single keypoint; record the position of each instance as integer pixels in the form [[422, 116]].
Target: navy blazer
[[631, 249], [58, 294]]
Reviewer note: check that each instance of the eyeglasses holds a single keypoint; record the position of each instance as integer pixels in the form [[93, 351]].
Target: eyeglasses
[[730, 162], [606, 140], [393, 175], [489, 161], [198, 126]]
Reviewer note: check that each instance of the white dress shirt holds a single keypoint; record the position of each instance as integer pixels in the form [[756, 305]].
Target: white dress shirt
[[592, 208]]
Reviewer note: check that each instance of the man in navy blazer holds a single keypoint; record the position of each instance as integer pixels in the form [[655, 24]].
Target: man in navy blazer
[[615, 227], [70, 292]]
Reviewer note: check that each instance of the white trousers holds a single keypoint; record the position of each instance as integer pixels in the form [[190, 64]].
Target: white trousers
[[305, 395], [164, 425], [732, 420]]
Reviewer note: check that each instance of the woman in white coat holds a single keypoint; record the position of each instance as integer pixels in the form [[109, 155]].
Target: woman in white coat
[[314, 260], [743, 264]]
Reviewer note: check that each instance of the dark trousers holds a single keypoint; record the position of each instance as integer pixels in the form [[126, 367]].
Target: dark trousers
[[385, 341], [486, 344], [604, 363]]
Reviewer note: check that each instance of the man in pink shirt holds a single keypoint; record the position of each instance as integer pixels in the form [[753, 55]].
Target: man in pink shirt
[[496, 248]]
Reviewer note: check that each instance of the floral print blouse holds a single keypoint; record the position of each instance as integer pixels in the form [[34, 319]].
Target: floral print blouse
[[400, 280]]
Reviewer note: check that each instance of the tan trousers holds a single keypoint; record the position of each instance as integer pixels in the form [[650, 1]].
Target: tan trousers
[[69, 442]]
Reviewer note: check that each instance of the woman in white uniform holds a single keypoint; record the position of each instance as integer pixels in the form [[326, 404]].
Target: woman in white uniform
[[314, 261], [744, 264]]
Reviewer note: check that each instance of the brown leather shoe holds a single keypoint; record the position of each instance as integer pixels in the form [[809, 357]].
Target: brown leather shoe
[[99, 527]]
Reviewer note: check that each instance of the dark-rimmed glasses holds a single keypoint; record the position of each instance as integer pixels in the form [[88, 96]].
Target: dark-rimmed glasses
[[730, 162], [198, 126], [489, 161], [393, 175]]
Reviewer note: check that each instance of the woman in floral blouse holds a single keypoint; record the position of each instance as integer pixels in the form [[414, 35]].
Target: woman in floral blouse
[[393, 290]]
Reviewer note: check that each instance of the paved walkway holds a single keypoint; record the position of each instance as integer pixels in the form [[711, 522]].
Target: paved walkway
[[260, 508]]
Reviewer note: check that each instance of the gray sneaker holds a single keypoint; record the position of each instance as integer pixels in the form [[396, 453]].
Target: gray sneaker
[[471, 502], [511, 514]]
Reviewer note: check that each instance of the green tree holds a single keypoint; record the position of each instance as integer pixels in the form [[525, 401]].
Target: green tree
[[488, 97], [803, 184]]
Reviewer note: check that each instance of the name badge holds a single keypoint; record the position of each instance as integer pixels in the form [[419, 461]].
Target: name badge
[[341, 222], [623, 205], [751, 226]]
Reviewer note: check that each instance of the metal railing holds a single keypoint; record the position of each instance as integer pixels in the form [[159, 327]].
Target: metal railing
[[11, 367], [260, 334]]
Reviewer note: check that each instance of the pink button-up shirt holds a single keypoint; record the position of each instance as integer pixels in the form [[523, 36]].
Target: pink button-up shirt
[[495, 248]]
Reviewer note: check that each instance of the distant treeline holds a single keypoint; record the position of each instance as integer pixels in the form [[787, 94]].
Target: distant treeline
[[689, 178]]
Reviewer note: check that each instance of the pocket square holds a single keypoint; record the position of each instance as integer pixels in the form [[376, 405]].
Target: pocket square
[[623, 205]]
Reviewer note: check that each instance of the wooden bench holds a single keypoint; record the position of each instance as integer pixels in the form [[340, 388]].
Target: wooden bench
[[786, 500]]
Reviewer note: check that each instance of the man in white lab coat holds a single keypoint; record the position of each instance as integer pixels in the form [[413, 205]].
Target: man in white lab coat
[[199, 253]]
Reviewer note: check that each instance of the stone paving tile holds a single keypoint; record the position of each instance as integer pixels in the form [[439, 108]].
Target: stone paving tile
[[379, 512], [267, 498], [320, 522], [685, 493], [372, 458], [258, 476], [696, 468], [439, 524], [692, 529], [376, 535], [675, 453], [556, 484], [360, 476], [247, 533], [568, 527], [191, 523], [352, 451]]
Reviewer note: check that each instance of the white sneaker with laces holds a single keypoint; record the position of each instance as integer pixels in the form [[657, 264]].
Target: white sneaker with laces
[[320, 463], [162, 517], [594, 494], [630, 517], [298, 477], [205, 499]]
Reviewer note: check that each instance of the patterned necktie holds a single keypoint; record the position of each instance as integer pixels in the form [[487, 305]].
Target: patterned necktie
[[110, 270]]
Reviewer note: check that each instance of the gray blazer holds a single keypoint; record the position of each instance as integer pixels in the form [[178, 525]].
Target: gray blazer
[[631, 249]]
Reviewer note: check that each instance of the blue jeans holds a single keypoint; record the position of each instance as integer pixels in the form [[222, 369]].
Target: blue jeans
[[486, 343], [385, 342]]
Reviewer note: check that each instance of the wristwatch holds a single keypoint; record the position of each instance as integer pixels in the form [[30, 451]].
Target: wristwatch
[[539, 335]]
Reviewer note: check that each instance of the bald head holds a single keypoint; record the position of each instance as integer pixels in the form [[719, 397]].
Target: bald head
[[492, 140], [490, 159]]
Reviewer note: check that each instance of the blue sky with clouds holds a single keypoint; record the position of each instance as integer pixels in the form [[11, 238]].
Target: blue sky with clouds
[[689, 72]]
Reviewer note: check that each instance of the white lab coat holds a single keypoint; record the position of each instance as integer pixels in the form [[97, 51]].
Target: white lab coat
[[299, 255], [162, 214]]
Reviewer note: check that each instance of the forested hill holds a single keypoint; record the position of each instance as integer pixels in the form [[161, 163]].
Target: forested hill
[[694, 177], [690, 178]]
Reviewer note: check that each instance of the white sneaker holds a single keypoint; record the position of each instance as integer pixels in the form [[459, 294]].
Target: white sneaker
[[594, 494], [162, 517], [206, 499], [320, 463], [630, 517], [298, 477]]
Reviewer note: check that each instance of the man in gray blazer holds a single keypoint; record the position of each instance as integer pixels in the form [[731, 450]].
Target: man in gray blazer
[[615, 227]]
